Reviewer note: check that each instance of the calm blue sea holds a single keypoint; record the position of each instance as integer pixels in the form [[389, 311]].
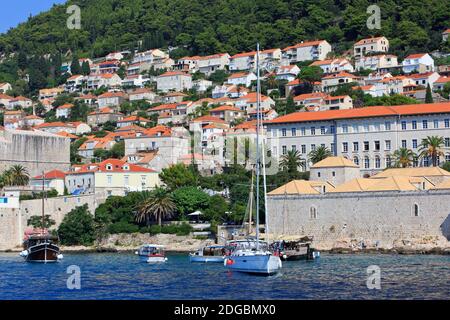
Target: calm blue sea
[[122, 276]]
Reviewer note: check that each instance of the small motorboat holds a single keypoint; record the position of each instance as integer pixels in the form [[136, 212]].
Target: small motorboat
[[209, 254], [294, 250], [152, 253]]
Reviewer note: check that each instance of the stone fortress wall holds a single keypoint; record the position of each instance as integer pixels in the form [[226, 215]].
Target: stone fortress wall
[[37, 151], [13, 221], [383, 219]]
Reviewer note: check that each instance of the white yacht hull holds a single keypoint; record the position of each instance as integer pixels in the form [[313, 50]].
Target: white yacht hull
[[264, 264], [156, 259], [206, 259]]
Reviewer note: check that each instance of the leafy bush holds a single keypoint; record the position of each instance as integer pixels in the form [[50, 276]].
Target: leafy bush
[[77, 227], [182, 229], [123, 227]]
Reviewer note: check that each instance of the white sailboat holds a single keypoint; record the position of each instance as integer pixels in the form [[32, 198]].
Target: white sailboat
[[257, 260]]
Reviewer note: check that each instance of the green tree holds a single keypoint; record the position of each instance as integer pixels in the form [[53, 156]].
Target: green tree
[[428, 95], [77, 227], [178, 176], [36, 222], [310, 74], [85, 68], [75, 66], [431, 147], [291, 161], [319, 154], [190, 199], [157, 204], [17, 175], [403, 157]]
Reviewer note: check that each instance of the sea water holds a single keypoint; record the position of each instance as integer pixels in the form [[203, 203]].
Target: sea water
[[123, 276]]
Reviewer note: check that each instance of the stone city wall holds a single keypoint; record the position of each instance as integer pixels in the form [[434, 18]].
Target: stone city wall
[[14, 221], [36, 151], [377, 219]]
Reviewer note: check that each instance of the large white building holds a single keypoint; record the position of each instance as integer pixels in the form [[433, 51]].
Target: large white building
[[364, 46], [309, 50], [174, 80], [367, 136]]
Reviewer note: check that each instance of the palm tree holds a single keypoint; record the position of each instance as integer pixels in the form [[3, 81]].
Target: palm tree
[[17, 175], [403, 157], [272, 82], [319, 154], [431, 146], [156, 204], [291, 161]]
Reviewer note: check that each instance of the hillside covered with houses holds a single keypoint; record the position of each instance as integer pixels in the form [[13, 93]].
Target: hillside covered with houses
[[135, 114]]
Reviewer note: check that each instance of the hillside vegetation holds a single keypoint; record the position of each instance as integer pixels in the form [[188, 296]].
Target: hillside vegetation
[[210, 26]]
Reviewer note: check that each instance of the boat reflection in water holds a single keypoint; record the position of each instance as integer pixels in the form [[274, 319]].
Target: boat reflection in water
[[152, 253]]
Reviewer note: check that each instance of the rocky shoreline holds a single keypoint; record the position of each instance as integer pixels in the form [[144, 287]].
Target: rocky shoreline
[[184, 244]]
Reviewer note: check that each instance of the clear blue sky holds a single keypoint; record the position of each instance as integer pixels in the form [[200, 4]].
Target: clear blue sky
[[16, 11]]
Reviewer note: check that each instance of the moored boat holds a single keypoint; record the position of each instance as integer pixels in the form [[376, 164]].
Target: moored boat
[[152, 253], [39, 245], [209, 254], [257, 260], [294, 250]]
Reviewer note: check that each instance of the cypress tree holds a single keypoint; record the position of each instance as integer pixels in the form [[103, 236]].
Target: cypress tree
[[428, 96]]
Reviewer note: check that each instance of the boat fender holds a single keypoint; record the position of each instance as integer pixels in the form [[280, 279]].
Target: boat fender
[[229, 262], [60, 256], [24, 253], [284, 256]]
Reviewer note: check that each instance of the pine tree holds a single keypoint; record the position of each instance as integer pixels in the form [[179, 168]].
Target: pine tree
[[428, 96], [86, 69], [75, 66]]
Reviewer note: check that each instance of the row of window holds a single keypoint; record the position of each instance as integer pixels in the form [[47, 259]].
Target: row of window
[[405, 125], [365, 146]]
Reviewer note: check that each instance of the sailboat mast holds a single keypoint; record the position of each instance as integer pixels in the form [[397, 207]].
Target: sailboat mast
[[43, 203], [263, 165], [251, 206], [258, 152]]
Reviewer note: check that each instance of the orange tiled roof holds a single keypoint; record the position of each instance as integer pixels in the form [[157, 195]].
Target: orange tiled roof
[[66, 106], [116, 166], [225, 108], [174, 73], [314, 95], [209, 119], [54, 174], [368, 40], [169, 106], [134, 118], [341, 74], [415, 56], [252, 97], [112, 95], [367, 112], [304, 44]]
